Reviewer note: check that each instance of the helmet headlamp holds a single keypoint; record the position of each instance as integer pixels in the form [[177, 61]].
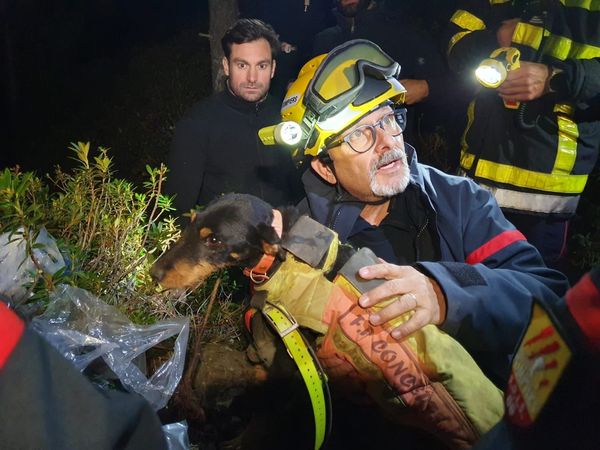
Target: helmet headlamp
[[284, 133]]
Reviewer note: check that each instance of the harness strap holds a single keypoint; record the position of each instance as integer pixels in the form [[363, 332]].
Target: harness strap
[[308, 364]]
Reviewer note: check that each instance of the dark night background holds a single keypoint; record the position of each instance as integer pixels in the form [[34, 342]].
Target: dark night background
[[117, 73]]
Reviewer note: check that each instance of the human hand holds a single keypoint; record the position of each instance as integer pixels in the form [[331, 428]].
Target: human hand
[[528, 82], [416, 91], [505, 33], [413, 290], [288, 48]]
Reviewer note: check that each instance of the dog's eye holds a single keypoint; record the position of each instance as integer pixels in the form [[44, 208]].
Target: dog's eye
[[212, 240]]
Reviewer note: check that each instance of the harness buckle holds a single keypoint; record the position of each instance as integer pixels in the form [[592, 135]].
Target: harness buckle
[[277, 323]]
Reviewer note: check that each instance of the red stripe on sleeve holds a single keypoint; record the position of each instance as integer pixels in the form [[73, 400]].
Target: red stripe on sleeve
[[495, 244], [11, 329], [583, 301]]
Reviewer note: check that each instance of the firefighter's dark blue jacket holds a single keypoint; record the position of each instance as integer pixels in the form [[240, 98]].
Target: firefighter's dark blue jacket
[[488, 272]]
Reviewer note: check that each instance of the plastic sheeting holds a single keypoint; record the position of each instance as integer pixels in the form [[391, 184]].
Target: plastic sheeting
[[17, 270], [83, 328]]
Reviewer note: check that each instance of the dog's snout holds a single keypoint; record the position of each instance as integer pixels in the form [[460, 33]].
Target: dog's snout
[[157, 273]]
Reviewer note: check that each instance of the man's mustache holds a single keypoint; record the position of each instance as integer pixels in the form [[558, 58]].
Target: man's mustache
[[387, 158]]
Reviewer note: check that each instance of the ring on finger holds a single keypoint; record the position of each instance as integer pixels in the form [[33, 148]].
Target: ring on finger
[[409, 296]]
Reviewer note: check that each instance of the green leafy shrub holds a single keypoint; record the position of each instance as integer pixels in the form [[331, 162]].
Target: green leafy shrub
[[109, 233]]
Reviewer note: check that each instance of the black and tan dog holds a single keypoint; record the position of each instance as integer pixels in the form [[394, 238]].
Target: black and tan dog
[[235, 230], [426, 380]]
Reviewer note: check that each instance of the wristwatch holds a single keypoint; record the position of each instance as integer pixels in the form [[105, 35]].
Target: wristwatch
[[557, 81]]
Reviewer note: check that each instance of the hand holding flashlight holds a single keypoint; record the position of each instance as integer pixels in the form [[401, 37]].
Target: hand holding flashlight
[[527, 83]]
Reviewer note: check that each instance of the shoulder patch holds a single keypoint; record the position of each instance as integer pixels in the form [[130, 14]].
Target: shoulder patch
[[537, 368]]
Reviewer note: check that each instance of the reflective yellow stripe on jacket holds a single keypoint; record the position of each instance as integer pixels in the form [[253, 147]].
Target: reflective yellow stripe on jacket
[[553, 187], [558, 47], [559, 181], [467, 21]]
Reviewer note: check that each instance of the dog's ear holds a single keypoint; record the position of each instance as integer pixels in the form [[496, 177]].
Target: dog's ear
[[193, 215], [270, 241]]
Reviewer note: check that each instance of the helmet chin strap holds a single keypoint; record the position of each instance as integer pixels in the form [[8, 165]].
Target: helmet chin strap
[[344, 196]]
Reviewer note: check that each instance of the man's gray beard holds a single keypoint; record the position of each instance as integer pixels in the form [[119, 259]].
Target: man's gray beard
[[397, 185]]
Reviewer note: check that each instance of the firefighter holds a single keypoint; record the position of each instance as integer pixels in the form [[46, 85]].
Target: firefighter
[[534, 140]]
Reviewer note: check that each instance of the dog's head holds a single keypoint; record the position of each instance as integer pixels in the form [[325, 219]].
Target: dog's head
[[234, 230]]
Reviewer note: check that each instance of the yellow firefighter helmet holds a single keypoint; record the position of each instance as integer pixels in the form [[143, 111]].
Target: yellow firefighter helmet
[[332, 92]]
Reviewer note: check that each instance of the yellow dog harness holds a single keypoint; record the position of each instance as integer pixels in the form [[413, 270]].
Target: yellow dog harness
[[427, 379]]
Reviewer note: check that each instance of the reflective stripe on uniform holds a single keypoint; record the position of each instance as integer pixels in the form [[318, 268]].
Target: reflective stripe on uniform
[[466, 158], [560, 180], [568, 133], [516, 176], [457, 37], [528, 34], [558, 47], [561, 48], [534, 202], [590, 5], [467, 22], [494, 245]]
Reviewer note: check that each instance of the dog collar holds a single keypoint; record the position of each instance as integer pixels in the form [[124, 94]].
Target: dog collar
[[258, 273]]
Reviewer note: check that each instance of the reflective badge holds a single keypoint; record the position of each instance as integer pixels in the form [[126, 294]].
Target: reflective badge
[[536, 369], [289, 102]]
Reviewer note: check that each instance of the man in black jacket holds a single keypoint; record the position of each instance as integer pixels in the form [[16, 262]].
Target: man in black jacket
[[216, 148]]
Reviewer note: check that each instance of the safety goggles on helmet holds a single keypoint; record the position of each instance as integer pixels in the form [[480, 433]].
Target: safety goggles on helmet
[[332, 92], [341, 76], [362, 138]]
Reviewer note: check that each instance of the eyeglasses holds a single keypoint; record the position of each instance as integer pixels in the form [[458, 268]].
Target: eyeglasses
[[363, 138]]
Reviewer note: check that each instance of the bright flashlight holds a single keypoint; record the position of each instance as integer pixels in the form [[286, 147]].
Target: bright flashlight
[[492, 71], [286, 133]]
